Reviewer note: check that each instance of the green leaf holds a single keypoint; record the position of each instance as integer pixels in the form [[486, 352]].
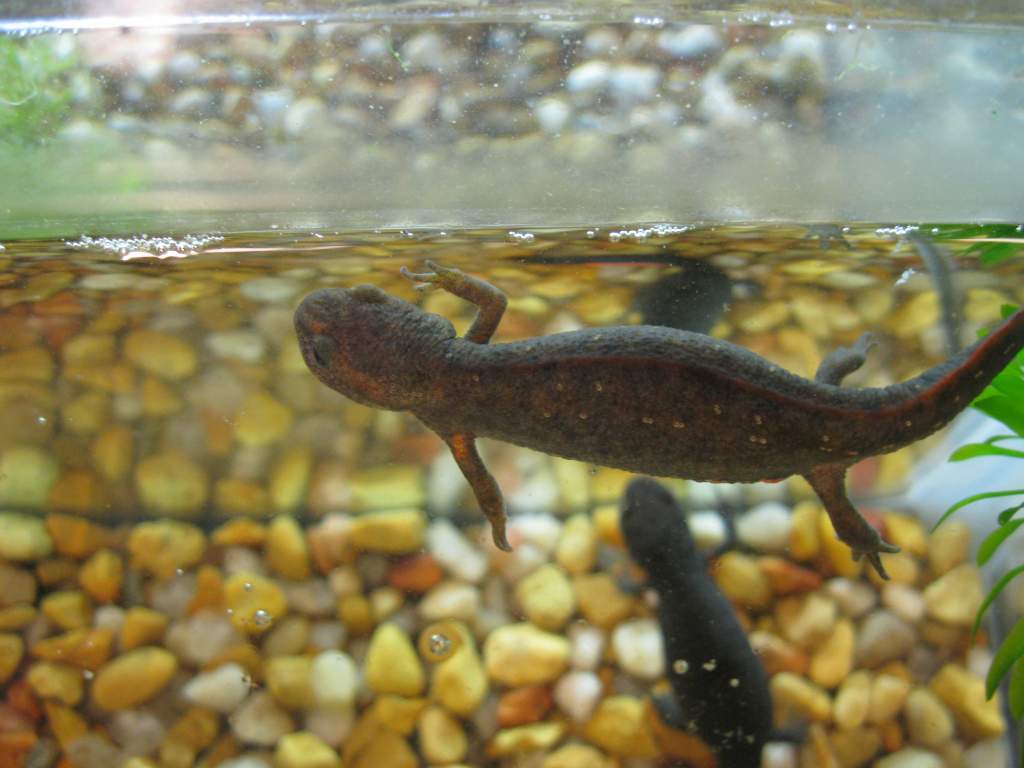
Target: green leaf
[[1017, 690], [992, 595], [1010, 383], [1012, 648], [1002, 408], [976, 497], [974, 450], [993, 541], [997, 253], [969, 231], [1007, 514]]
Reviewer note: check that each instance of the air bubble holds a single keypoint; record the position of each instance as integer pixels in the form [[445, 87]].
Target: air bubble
[[680, 666], [440, 640], [261, 618]]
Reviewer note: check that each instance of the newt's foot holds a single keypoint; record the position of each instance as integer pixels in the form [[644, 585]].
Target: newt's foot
[[499, 535], [872, 552], [437, 277]]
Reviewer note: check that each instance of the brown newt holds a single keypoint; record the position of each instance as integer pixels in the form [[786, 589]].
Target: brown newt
[[652, 400]]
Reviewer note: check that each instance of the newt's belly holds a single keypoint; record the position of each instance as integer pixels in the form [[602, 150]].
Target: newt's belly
[[659, 419]]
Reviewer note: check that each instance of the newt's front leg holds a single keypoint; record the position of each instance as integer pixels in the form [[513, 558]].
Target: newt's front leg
[[490, 301], [485, 488], [828, 481]]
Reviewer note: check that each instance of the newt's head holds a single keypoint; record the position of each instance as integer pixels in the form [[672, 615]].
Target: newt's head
[[654, 527], [371, 347]]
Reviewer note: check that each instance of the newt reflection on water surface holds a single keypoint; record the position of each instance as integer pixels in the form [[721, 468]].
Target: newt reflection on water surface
[[652, 400]]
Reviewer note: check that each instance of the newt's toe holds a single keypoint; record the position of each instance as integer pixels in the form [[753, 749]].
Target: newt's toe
[[499, 536]]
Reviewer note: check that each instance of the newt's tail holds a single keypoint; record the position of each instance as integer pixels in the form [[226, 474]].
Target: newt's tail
[[931, 400]]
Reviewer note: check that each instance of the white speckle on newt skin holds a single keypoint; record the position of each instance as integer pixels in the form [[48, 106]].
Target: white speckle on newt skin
[[476, 377], [599, 386], [680, 666], [758, 420], [678, 424], [710, 665], [908, 423], [560, 386], [583, 415], [647, 420], [547, 414], [717, 409], [852, 453], [734, 682], [825, 438]]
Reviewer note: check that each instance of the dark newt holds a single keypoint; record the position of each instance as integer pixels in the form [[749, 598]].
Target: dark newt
[[720, 688], [647, 399]]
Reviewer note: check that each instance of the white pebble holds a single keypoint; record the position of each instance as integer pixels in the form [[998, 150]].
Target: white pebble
[[639, 648], [269, 289], [312, 598], [779, 754], [332, 725], [543, 531], [635, 82], [708, 530], [577, 693], [905, 601], [108, 617], [137, 731], [327, 635], [450, 600], [854, 598], [221, 689], [766, 527], [552, 114], [588, 77], [455, 552], [109, 281], [911, 757], [987, 753], [198, 639], [247, 761], [260, 720], [335, 679], [690, 42], [587, 646], [244, 345]]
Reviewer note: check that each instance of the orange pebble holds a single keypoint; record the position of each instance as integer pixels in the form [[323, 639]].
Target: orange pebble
[[787, 578], [524, 705], [417, 573]]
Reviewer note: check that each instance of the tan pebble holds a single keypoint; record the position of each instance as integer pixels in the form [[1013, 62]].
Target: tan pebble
[[254, 602], [16, 616], [60, 682], [903, 569], [853, 699], [459, 683], [888, 693], [260, 721], [955, 597], [262, 420], [806, 620], [600, 600], [964, 695], [23, 538], [855, 747], [385, 602], [74, 536], [907, 533], [546, 597], [112, 452], [85, 648], [133, 678], [240, 531], [171, 484], [606, 525], [12, 648], [742, 581], [442, 738], [80, 491], [160, 354], [948, 546], [397, 713], [159, 399], [19, 585], [142, 626], [289, 479], [804, 539], [114, 378], [393, 532], [392, 664], [383, 748], [833, 659], [29, 364], [101, 576], [576, 551], [54, 571], [90, 348], [232, 496], [929, 722], [619, 726], [838, 554], [303, 749], [387, 487], [356, 613], [86, 414], [525, 738], [286, 550], [289, 637], [573, 479], [910, 757], [792, 693], [65, 723], [68, 609], [209, 592], [290, 681], [191, 733], [576, 756], [163, 547], [777, 654], [521, 654]]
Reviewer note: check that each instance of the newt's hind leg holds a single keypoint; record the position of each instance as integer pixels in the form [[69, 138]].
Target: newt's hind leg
[[844, 361], [490, 301], [484, 486], [828, 481]]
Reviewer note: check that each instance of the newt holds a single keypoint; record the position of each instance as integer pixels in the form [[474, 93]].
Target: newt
[[652, 400], [720, 689]]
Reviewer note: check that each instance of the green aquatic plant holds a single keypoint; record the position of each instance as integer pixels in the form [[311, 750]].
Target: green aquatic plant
[[1003, 400], [34, 95], [991, 243]]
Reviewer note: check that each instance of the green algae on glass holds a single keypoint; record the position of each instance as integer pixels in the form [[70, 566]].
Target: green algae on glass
[[34, 97]]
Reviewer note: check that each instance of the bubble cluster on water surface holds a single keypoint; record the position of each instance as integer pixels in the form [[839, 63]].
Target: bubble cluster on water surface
[[144, 246], [642, 233]]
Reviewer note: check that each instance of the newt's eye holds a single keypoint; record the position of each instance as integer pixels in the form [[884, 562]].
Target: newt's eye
[[322, 349]]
